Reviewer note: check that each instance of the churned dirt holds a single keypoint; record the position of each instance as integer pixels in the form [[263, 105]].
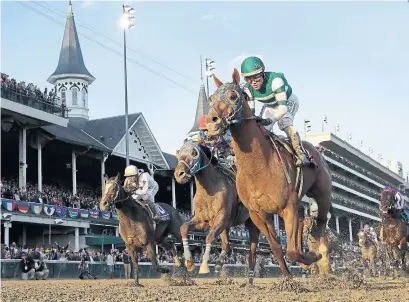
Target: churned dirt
[[225, 289]]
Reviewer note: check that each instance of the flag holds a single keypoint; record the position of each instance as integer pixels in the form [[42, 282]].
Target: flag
[[94, 213], [106, 214], [9, 205], [37, 208], [61, 211], [49, 209], [84, 213], [23, 206], [73, 212]]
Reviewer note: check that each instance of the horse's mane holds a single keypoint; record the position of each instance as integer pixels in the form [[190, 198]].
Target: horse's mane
[[208, 154]]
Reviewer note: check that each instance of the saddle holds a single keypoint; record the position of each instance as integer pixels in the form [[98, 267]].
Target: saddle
[[278, 141], [162, 213]]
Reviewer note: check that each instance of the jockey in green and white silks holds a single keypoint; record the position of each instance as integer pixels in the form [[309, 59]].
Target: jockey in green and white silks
[[280, 103]]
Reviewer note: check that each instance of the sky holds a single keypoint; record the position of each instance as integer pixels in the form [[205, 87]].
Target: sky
[[346, 60]]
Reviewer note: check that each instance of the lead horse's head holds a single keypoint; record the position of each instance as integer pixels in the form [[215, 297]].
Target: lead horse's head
[[112, 193], [387, 199], [226, 106]]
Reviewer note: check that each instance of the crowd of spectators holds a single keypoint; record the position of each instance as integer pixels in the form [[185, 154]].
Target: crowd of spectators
[[55, 193], [22, 92]]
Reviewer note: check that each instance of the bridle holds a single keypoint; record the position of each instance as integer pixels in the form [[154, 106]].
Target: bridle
[[232, 96], [117, 198], [196, 162]]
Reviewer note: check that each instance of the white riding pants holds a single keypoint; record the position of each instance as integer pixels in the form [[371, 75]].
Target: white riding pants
[[287, 119]]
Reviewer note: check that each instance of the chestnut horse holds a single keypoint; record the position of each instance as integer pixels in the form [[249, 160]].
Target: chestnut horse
[[266, 175], [216, 203], [394, 232]]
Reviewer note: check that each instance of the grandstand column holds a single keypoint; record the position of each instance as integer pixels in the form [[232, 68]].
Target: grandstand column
[[77, 239], [350, 228], [24, 235], [7, 226], [74, 173], [40, 164], [22, 148], [337, 223], [103, 171], [361, 224], [192, 206], [117, 231], [173, 193]]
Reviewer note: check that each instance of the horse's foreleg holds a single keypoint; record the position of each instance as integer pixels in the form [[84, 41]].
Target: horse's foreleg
[[267, 228], [170, 248], [224, 237], [291, 220], [135, 265], [184, 229], [151, 253], [215, 231], [254, 236]]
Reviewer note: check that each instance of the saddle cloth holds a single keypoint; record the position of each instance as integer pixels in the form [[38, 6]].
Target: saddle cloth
[[162, 213]]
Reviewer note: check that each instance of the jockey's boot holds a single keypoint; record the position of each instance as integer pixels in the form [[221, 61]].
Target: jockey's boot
[[302, 159], [152, 210]]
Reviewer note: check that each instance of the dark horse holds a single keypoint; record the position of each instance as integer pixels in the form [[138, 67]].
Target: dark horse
[[394, 232], [136, 227]]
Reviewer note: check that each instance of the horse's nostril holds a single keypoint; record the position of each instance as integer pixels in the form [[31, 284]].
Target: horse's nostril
[[181, 174], [215, 119]]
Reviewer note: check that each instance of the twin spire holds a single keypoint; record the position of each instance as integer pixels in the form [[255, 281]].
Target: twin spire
[[71, 61]]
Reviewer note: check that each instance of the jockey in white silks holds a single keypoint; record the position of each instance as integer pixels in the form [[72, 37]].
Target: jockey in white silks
[[142, 187]]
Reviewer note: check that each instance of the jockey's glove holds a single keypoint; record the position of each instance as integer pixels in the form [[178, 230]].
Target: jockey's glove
[[265, 122]]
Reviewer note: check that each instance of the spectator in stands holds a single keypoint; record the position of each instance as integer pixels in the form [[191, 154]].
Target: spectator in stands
[[41, 270], [127, 264], [27, 267]]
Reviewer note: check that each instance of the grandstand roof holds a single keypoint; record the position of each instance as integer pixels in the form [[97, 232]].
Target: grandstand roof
[[110, 130], [76, 136], [171, 159]]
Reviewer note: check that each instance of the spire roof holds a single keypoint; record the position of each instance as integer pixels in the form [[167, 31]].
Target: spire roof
[[71, 61], [202, 107]]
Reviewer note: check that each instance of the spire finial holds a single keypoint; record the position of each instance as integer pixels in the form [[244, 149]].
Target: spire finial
[[69, 8]]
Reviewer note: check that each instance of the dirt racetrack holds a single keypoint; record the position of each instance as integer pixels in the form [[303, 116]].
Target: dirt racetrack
[[333, 289]]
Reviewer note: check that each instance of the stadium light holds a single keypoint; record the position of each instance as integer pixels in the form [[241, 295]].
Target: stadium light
[[127, 22], [324, 121], [307, 128]]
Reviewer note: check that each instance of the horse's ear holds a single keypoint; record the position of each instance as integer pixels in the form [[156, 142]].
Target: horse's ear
[[106, 178], [236, 77], [217, 82], [117, 177]]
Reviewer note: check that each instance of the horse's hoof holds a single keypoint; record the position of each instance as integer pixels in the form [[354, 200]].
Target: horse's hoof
[[189, 266], [217, 268], [137, 284], [204, 269]]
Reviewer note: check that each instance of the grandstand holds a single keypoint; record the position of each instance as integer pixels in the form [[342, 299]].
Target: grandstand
[[357, 180], [54, 159]]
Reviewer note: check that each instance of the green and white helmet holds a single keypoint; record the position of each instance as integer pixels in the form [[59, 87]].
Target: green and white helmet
[[252, 66]]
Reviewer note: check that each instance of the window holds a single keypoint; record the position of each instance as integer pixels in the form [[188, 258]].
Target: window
[[63, 97], [74, 97], [84, 98]]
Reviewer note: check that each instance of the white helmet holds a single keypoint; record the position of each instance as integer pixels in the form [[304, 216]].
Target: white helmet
[[313, 206], [131, 170]]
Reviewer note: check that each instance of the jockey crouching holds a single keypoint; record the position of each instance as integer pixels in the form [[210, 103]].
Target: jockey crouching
[[142, 187], [280, 104]]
